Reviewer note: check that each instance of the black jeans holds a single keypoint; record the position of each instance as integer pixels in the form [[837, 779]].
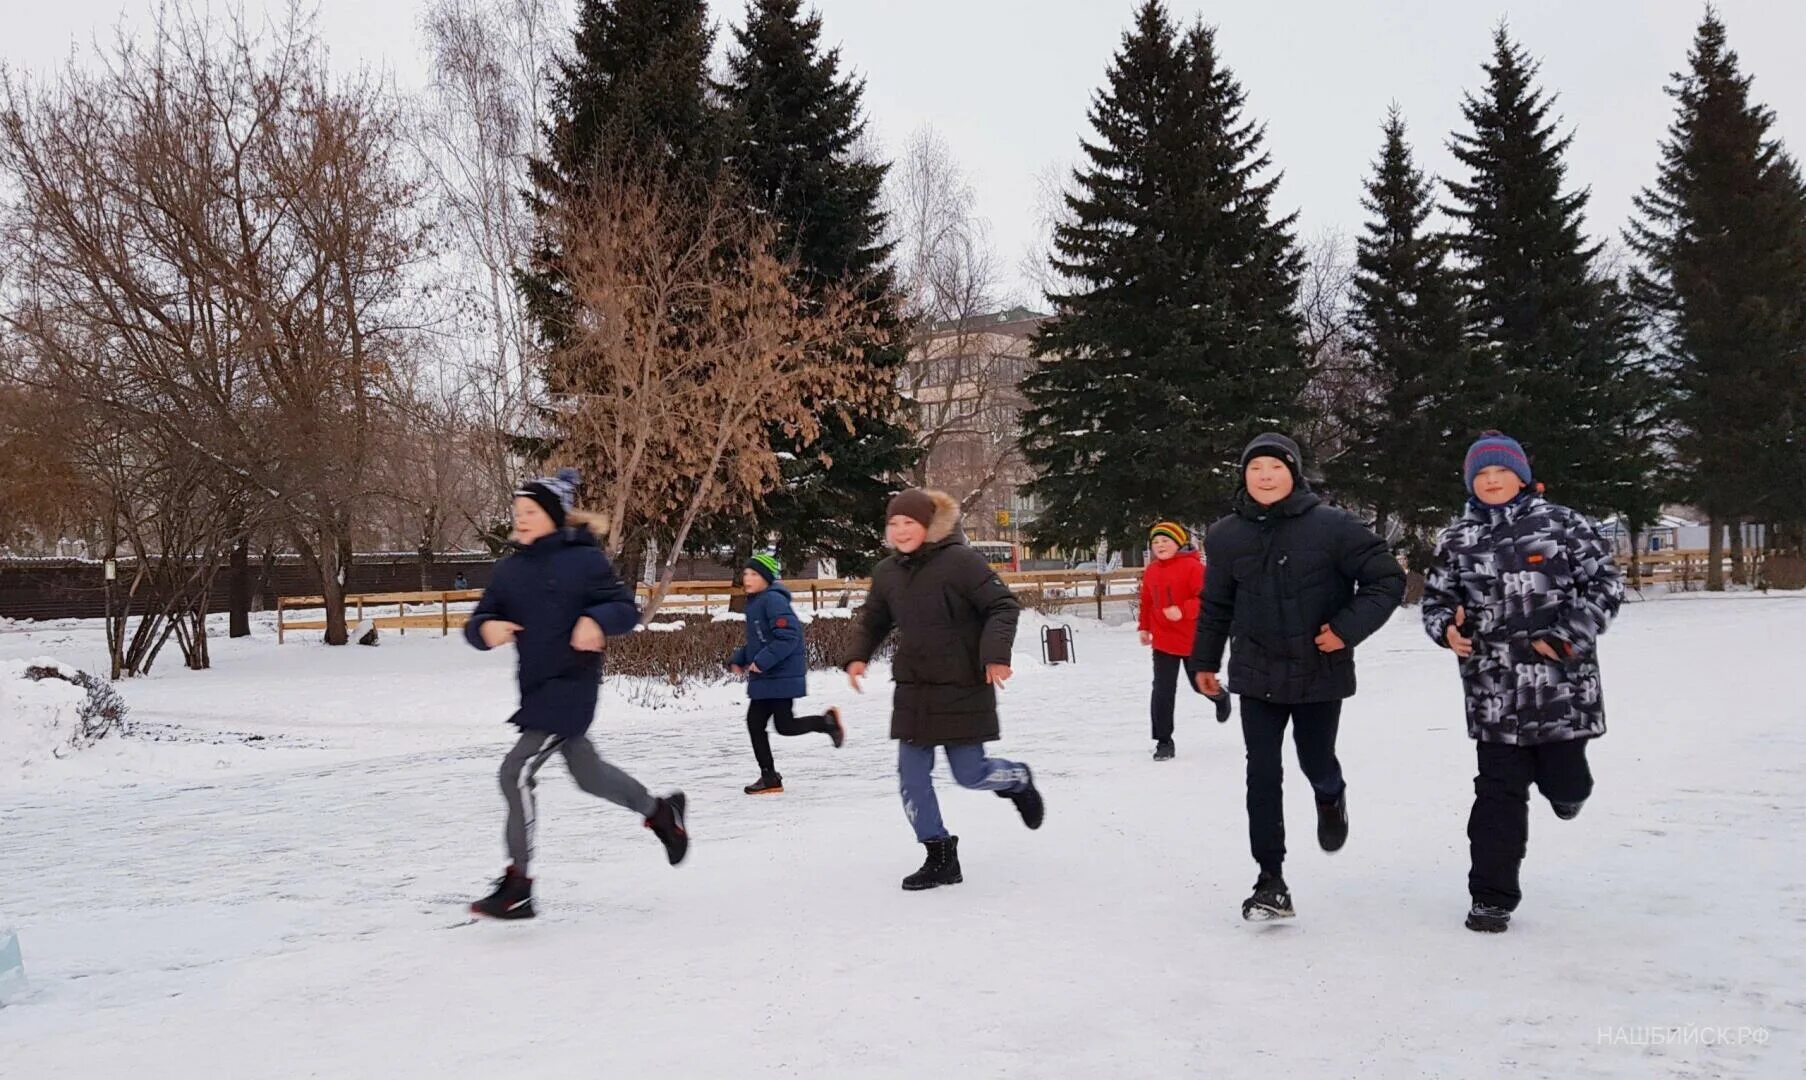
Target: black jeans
[[1264, 731], [1166, 691], [761, 712], [1498, 830]]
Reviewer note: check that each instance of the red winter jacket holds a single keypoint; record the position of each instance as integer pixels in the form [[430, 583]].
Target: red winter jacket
[[1177, 582]]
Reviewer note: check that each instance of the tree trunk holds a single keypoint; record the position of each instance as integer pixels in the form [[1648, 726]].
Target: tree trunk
[[1739, 564], [425, 551], [239, 604], [1715, 557]]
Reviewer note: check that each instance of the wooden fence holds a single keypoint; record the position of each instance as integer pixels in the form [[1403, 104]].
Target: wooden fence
[[1046, 590], [1043, 590]]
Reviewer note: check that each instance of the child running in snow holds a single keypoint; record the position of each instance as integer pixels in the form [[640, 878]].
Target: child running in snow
[[1170, 596], [776, 669], [1520, 590], [956, 624], [1294, 587], [557, 599]]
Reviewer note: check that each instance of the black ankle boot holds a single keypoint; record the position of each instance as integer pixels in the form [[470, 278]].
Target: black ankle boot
[[940, 868]]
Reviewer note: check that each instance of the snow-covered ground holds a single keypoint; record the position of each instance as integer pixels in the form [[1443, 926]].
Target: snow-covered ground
[[267, 888]]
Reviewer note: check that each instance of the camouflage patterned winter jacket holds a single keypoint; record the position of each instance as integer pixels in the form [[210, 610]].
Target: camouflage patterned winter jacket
[[1526, 572]]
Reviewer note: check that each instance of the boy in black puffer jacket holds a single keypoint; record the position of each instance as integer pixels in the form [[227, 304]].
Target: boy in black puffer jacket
[[1520, 590], [1293, 587]]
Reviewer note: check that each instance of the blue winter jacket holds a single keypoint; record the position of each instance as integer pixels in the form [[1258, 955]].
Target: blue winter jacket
[[546, 587], [774, 644]]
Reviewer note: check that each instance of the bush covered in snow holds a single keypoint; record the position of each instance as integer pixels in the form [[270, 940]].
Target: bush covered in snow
[[49, 710]]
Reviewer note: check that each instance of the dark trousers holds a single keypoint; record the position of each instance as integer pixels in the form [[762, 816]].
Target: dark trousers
[[1264, 731], [1498, 830], [1166, 692], [776, 711]]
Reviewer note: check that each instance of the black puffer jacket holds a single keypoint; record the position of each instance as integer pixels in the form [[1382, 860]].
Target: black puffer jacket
[[952, 615], [1277, 575]]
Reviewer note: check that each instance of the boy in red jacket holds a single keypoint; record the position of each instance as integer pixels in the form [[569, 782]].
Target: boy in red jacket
[[1170, 588]]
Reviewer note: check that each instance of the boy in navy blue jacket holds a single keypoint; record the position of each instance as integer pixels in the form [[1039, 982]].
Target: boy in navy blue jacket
[[556, 598], [777, 671]]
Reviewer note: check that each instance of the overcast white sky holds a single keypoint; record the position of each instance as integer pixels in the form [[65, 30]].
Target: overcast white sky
[[1008, 82]]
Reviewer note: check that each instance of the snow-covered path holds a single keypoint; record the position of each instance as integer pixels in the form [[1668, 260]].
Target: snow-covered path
[[283, 908]]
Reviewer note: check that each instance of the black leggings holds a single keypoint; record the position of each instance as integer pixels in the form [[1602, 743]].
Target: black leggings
[[761, 712]]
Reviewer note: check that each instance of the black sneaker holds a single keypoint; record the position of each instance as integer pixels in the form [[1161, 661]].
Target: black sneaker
[[940, 868], [1486, 919], [1567, 811], [1028, 800], [1221, 701], [1163, 750], [667, 823], [769, 784], [836, 730], [512, 898], [1332, 823], [1271, 900]]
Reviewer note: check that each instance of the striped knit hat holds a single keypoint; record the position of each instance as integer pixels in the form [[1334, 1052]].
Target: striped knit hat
[[765, 566], [555, 494], [1494, 448], [1172, 530]]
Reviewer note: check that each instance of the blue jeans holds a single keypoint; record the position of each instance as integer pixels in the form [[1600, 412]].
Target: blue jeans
[[971, 769]]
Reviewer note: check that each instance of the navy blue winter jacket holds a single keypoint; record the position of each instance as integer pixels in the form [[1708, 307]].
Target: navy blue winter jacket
[[774, 644], [546, 587]]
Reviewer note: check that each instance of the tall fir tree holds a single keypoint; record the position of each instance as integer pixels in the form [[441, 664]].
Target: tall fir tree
[[1409, 329], [1180, 339], [632, 93], [795, 126], [1722, 235], [1558, 366]]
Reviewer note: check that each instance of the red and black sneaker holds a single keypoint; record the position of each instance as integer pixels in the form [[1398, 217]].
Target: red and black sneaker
[[836, 729], [667, 823], [512, 898]]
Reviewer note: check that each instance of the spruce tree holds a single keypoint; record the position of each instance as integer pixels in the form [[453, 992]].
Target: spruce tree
[[1180, 339], [795, 128], [1408, 328], [632, 93], [1555, 341], [1722, 233]]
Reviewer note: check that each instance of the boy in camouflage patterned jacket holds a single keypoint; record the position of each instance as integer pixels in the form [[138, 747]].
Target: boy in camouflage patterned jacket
[[1520, 590]]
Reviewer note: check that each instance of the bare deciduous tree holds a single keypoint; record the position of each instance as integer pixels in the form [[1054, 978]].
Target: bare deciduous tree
[[690, 342], [213, 240], [962, 377], [476, 130]]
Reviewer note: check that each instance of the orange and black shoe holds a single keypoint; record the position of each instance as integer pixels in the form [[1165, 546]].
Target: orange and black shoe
[[512, 898], [836, 729], [769, 784], [667, 823]]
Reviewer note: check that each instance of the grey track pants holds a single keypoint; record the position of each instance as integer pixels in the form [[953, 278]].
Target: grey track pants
[[520, 770]]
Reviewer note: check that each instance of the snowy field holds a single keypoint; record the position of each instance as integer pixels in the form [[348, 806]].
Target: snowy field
[[268, 888]]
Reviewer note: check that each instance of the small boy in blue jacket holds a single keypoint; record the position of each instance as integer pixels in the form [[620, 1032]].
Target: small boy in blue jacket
[[776, 669], [557, 599]]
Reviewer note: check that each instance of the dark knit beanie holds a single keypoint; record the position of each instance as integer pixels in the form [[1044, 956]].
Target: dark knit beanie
[[555, 494], [1275, 445], [765, 566], [1494, 448], [914, 504]]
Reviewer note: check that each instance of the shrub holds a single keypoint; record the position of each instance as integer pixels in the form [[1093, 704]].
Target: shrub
[[695, 650], [102, 714]]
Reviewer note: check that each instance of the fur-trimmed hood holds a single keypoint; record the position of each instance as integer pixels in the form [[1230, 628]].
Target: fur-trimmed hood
[[945, 525]]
